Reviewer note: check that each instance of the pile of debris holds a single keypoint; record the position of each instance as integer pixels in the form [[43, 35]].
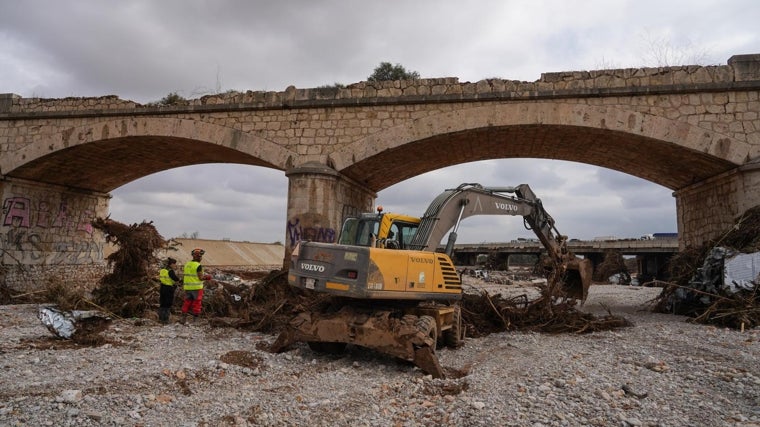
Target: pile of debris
[[83, 327], [551, 312], [265, 302], [132, 284], [718, 282], [267, 305]]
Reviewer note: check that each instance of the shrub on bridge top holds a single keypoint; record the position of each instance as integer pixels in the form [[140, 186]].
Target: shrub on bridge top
[[386, 71], [173, 98]]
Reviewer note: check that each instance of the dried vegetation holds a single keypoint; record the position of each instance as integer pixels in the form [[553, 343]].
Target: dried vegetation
[[551, 312]]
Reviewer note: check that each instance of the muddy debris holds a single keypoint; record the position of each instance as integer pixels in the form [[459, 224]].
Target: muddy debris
[[132, 284], [551, 312], [698, 289], [264, 305], [268, 305], [242, 358], [264, 302]]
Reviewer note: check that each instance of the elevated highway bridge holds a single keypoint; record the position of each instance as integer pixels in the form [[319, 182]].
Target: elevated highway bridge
[[651, 255]]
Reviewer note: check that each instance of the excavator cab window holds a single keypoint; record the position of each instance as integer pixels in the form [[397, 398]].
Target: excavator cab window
[[364, 231], [401, 234], [358, 232]]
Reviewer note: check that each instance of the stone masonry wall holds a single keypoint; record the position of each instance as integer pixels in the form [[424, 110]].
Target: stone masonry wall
[[702, 209], [319, 199], [316, 122], [46, 232]]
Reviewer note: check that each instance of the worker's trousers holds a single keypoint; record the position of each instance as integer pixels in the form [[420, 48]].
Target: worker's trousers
[[193, 302]]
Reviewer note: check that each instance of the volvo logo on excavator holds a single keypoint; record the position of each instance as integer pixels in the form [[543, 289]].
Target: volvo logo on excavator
[[505, 206], [312, 267]]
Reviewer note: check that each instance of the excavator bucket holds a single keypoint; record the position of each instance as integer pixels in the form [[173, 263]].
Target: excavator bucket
[[578, 274]]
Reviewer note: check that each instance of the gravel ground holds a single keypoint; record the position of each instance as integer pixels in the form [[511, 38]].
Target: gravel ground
[[662, 371]]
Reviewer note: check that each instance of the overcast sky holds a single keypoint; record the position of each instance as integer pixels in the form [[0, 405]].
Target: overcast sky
[[143, 50]]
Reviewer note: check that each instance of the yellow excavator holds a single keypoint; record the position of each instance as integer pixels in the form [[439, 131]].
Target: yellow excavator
[[394, 293]]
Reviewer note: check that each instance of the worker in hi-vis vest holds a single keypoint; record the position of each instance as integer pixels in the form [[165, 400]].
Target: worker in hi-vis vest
[[193, 285], [169, 279]]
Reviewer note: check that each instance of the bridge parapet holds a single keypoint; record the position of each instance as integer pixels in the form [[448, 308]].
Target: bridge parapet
[[552, 84]]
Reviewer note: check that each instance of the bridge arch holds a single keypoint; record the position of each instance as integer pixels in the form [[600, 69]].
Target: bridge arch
[[85, 156], [692, 129], [632, 142]]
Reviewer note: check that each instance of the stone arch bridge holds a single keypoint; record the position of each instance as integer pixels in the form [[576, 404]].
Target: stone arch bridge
[[693, 129]]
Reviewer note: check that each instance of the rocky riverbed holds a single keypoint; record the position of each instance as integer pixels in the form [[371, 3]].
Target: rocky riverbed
[[662, 371]]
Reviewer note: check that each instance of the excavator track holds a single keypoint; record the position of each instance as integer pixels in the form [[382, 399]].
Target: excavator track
[[406, 336]]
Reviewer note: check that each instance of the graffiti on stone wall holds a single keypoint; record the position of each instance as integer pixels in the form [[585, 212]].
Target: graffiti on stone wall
[[296, 232], [48, 229]]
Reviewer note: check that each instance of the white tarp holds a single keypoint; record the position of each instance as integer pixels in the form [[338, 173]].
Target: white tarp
[[741, 271]]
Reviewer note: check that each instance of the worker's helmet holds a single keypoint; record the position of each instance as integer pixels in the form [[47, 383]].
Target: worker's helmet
[[197, 252]]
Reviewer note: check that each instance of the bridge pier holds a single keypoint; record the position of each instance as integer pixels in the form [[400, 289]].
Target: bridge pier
[[46, 235], [653, 267], [319, 199], [709, 208]]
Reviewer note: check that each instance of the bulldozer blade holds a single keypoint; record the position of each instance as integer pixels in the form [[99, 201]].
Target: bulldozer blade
[[379, 330], [427, 361]]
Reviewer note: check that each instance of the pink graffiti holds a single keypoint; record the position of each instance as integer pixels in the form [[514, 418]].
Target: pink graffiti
[[16, 208], [18, 213]]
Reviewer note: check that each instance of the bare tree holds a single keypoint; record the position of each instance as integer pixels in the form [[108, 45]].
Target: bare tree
[[660, 50]]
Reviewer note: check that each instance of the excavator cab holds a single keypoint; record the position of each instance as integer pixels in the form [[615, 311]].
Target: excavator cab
[[381, 230]]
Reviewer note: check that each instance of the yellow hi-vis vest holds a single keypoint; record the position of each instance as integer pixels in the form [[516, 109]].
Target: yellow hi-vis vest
[[190, 279], [163, 276]]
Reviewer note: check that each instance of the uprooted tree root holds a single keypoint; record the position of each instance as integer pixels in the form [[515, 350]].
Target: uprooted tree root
[[613, 264], [131, 287], [738, 310]]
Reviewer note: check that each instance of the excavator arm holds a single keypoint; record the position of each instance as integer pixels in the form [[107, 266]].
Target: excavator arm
[[453, 205]]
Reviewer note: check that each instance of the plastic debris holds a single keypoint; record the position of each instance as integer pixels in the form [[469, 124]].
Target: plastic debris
[[64, 323]]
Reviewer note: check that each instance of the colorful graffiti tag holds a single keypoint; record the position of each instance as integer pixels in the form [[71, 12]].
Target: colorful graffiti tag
[[298, 232], [43, 230]]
